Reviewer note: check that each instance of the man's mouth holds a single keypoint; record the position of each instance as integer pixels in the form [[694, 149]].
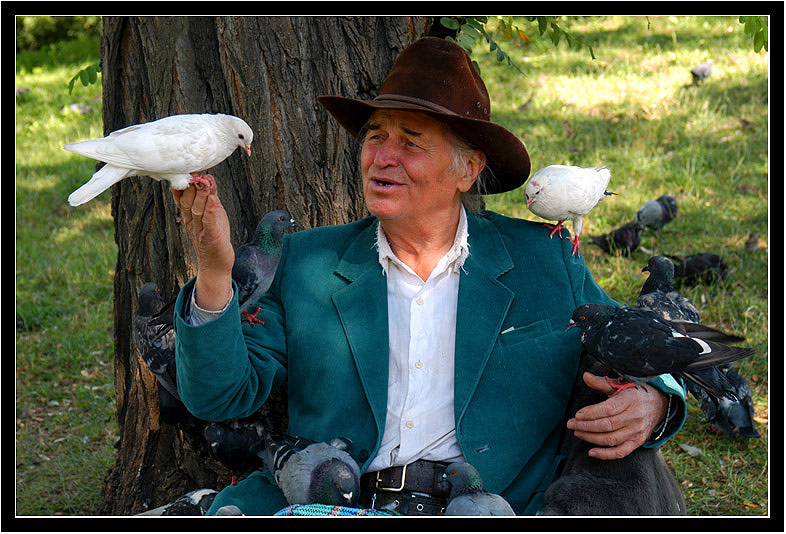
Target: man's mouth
[[384, 183]]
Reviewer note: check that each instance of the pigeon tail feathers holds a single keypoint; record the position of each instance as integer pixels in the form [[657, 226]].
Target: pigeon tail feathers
[[103, 179]]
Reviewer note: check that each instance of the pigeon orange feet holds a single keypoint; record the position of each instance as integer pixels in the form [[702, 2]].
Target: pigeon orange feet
[[252, 317], [556, 228], [575, 242], [202, 181], [619, 385]]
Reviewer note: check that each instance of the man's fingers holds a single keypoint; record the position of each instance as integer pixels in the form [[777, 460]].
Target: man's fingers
[[613, 453]]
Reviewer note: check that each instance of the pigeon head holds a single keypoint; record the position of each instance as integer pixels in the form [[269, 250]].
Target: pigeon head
[[278, 222], [150, 300], [334, 481], [463, 478], [588, 315], [531, 191], [661, 270], [239, 131]]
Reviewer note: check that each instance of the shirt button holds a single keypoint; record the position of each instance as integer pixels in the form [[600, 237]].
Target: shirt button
[[409, 424], [419, 364], [419, 302]]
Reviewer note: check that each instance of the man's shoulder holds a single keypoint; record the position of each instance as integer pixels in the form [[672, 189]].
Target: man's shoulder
[[335, 238]]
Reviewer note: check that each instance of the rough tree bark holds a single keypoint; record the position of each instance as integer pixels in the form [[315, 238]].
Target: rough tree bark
[[269, 71]]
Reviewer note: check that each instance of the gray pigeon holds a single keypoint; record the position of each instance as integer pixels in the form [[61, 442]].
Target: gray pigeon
[[229, 509], [173, 148], [311, 472], [256, 261], [154, 335], [733, 416], [701, 72], [467, 496], [230, 443], [655, 213]]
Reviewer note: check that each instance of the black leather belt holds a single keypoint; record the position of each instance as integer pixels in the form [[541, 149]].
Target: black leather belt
[[414, 489]]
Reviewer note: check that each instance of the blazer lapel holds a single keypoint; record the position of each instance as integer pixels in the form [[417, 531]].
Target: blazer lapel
[[363, 312], [483, 303]]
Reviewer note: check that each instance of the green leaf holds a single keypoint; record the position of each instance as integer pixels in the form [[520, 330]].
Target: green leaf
[[471, 31], [451, 24], [501, 55], [758, 41], [92, 75], [477, 67], [84, 77], [543, 25]]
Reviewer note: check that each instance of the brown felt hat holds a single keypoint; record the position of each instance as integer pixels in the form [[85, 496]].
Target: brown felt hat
[[437, 77]]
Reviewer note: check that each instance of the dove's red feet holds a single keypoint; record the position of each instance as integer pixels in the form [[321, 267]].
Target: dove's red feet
[[575, 242], [252, 317], [619, 385], [556, 228], [202, 181]]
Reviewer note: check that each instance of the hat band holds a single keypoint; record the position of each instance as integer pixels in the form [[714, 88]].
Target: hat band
[[417, 101]]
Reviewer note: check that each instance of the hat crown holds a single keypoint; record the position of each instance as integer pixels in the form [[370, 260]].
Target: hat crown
[[438, 75]]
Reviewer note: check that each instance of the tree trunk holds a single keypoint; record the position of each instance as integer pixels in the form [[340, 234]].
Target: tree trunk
[[269, 71]]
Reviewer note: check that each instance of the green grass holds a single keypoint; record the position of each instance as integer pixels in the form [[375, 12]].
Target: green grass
[[628, 110], [65, 261]]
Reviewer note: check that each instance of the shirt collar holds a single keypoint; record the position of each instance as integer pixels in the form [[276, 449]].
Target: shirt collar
[[453, 259]]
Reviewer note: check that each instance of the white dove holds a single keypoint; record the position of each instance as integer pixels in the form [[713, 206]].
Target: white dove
[[174, 148], [561, 192]]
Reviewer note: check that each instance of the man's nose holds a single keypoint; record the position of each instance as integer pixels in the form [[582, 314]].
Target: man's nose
[[386, 153]]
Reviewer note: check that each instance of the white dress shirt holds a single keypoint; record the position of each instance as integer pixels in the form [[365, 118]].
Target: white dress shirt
[[420, 423]]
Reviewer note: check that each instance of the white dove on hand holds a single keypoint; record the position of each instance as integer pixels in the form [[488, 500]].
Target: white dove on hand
[[562, 192], [174, 148]]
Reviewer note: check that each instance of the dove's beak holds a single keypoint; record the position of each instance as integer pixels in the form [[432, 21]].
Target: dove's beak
[[248, 149], [529, 201], [571, 324]]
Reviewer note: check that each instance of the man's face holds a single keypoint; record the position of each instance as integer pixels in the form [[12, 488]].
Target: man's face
[[406, 165]]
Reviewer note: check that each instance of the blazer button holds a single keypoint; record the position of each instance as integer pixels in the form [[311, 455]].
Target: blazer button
[[363, 455]]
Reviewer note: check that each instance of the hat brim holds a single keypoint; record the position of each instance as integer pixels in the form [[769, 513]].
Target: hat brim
[[506, 155]]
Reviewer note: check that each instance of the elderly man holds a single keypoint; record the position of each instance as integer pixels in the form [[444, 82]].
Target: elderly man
[[425, 333]]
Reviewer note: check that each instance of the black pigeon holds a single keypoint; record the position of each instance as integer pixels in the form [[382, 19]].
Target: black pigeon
[[734, 409], [640, 483], [658, 294], [309, 472], [656, 213], [230, 443], [154, 335], [196, 502], [701, 72], [732, 416], [638, 344], [624, 239], [256, 261], [706, 267]]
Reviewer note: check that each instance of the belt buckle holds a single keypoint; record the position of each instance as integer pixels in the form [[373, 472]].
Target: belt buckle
[[403, 478]]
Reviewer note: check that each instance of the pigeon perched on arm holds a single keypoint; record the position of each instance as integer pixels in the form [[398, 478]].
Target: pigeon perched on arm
[[256, 261], [174, 148], [639, 345], [562, 192], [310, 472], [656, 213], [701, 72], [467, 495], [154, 334], [624, 239], [706, 267]]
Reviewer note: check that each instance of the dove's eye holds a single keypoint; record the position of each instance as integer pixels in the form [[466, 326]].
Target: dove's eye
[[583, 318], [240, 136], [282, 218]]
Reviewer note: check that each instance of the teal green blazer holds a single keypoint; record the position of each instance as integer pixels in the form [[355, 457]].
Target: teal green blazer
[[326, 334]]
